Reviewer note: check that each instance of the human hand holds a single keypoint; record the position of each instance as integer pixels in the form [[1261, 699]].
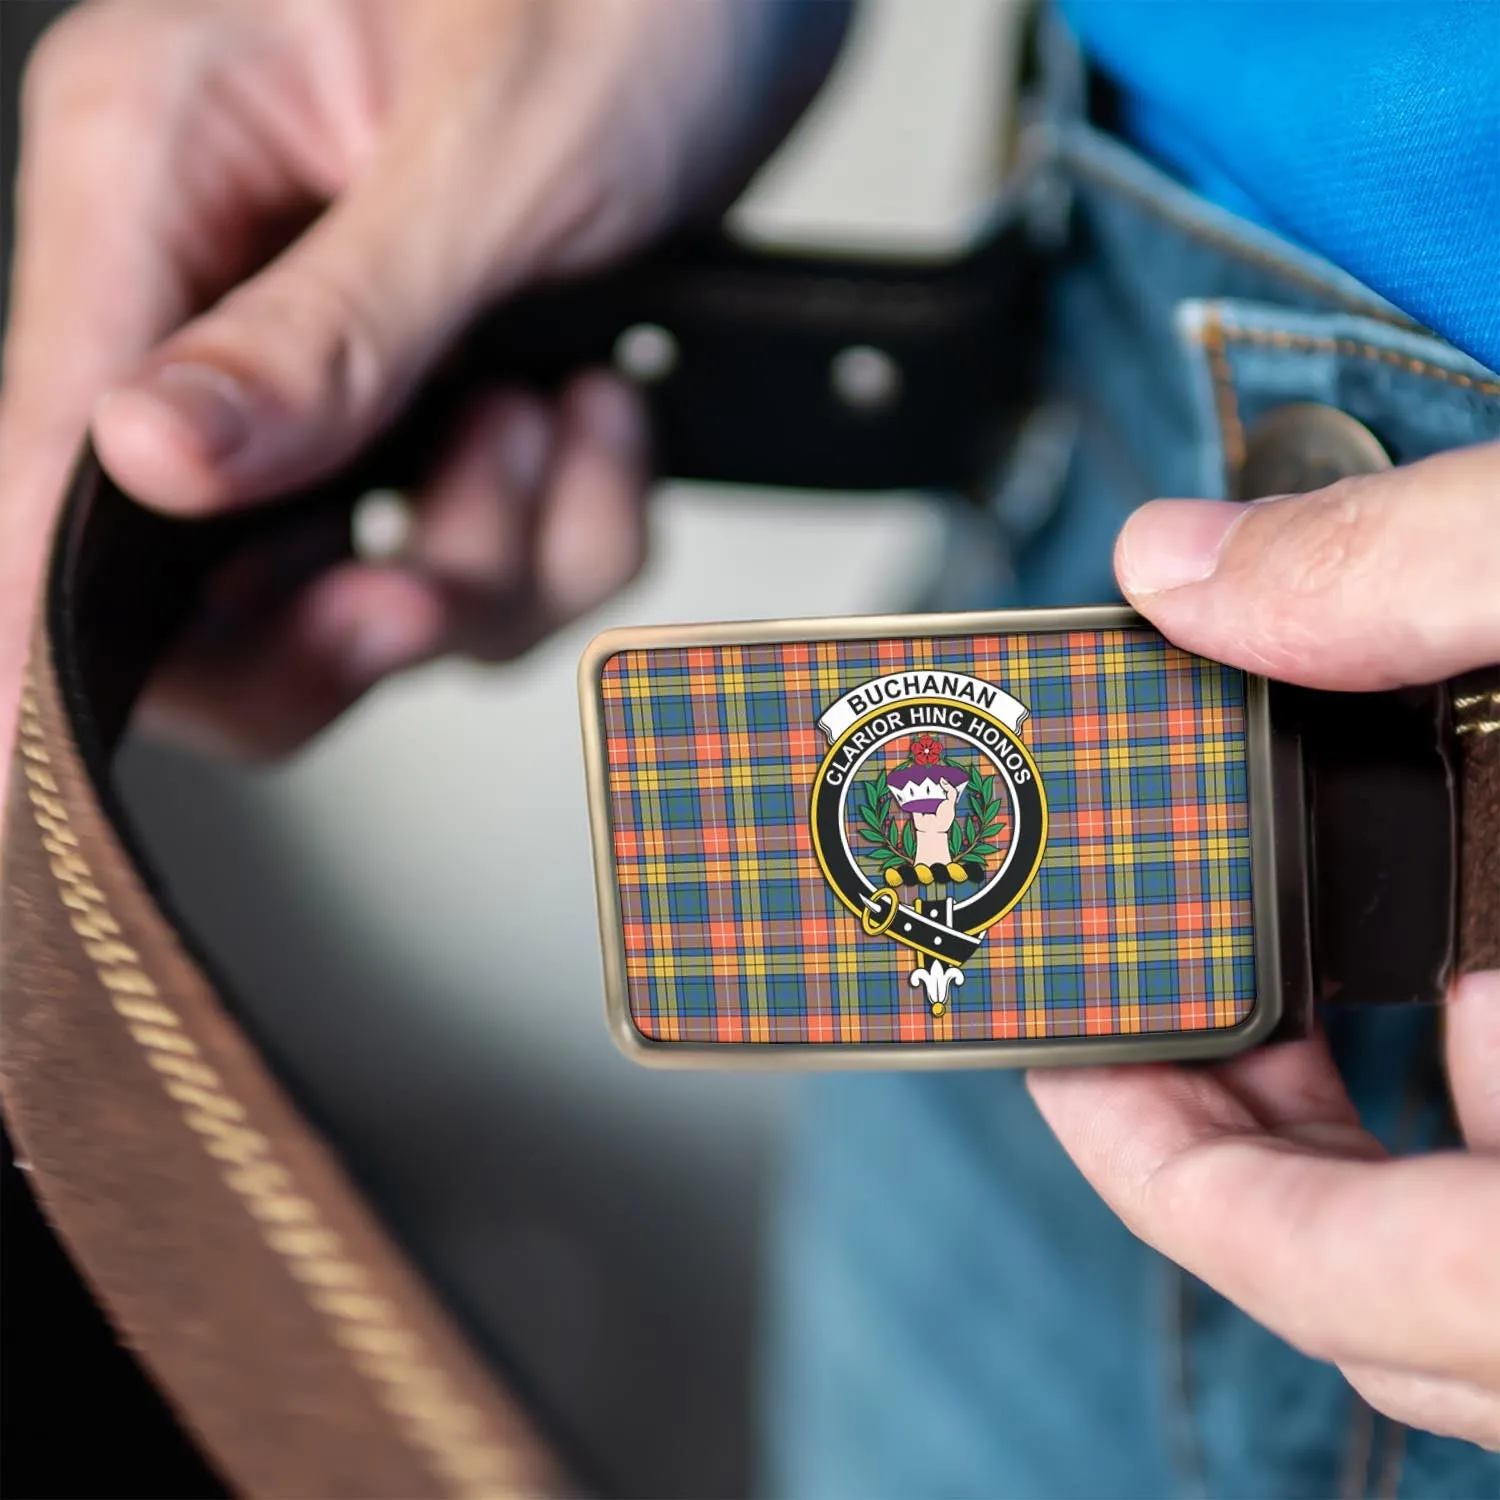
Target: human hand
[[1256, 1174], [247, 228], [940, 819]]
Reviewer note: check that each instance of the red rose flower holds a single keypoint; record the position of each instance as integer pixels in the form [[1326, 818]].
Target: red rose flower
[[926, 751]]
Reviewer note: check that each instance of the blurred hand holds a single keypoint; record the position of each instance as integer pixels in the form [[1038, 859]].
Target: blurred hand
[[1256, 1175], [247, 228]]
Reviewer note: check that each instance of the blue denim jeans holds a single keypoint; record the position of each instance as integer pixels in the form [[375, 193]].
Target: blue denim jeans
[[952, 1310]]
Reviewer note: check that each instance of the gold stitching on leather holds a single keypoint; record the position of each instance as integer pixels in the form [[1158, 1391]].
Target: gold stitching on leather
[[1352, 348], [446, 1430], [1463, 702]]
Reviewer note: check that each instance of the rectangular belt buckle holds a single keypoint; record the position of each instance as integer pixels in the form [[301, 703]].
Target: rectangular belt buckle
[[1022, 837]]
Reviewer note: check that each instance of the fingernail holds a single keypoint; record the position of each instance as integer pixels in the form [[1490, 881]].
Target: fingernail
[[212, 406], [1170, 543], [611, 416], [524, 441]]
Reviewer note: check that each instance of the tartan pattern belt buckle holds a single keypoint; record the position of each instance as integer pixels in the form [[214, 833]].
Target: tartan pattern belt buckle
[[1023, 837]]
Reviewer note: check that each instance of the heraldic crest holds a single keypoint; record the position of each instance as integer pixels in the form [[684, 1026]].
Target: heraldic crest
[[928, 815]]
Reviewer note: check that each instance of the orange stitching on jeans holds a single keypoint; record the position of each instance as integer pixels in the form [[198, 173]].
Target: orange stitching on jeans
[[434, 1419], [1223, 240], [1353, 349], [1226, 404]]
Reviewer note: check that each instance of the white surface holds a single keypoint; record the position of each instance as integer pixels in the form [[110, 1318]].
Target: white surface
[[903, 151]]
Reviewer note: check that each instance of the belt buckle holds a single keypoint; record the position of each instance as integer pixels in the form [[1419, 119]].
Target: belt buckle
[[1020, 837]]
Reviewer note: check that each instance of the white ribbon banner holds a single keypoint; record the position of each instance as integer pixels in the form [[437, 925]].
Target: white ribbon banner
[[921, 682]]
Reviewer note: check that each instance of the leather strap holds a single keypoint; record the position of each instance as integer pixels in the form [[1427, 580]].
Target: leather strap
[[1476, 731], [228, 1245]]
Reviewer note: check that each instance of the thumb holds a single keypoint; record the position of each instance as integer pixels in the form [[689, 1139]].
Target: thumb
[[292, 371], [1378, 581]]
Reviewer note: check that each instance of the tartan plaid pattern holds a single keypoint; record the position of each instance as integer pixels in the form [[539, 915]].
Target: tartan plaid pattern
[[1139, 919]]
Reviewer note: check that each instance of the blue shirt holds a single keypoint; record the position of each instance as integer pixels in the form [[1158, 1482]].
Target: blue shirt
[[1368, 132]]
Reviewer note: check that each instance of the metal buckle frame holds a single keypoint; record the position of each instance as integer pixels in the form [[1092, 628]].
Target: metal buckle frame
[[1278, 863]]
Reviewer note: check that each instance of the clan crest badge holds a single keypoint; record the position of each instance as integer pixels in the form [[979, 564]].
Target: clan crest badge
[[928, 815]]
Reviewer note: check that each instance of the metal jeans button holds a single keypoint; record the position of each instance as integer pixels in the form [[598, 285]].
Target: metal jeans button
[[1304, 446]]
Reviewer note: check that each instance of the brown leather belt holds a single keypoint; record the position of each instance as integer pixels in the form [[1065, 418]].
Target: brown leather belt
[[228, 1243]]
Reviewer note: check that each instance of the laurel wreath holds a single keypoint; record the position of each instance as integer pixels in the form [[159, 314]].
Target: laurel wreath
[[978, 831]]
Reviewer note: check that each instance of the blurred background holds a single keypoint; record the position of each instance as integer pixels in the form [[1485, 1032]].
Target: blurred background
[[598, 1224]]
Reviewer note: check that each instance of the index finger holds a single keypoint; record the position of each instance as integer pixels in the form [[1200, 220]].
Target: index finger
[[92, 288]]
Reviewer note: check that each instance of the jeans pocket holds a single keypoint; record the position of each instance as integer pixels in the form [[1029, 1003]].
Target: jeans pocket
[[1415, 393]]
